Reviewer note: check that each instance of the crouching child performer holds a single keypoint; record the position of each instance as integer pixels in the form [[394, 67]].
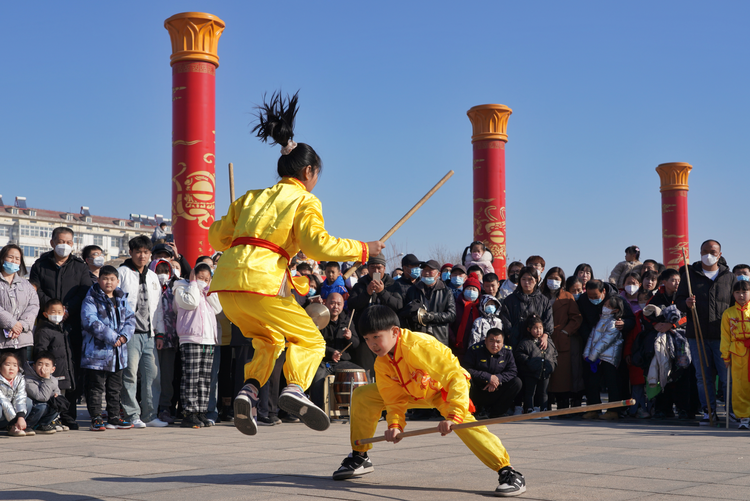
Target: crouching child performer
[[261, 231], [415, 370]]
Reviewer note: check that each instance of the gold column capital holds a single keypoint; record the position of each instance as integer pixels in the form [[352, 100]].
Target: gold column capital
[[195, 37], [489, 121], [674, 176]]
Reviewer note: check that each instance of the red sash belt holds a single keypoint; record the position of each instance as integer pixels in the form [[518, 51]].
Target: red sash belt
[[259, 242]]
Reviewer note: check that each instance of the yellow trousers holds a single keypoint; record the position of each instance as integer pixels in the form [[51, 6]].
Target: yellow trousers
[[740, 387], [273, 322], [367, 406]]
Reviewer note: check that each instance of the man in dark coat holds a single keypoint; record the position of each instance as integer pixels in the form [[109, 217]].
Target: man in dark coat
[[494, 378], [410, 276], [59, 275], [712, 283], [432, 295]]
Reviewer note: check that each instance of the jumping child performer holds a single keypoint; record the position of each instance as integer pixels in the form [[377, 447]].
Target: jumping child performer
[[415, 370], [735, 350], [261, 232]]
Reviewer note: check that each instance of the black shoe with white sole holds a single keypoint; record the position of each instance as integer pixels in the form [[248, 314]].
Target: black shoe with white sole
[[512, 483], [353, 466], [294, 401], [246, 410]]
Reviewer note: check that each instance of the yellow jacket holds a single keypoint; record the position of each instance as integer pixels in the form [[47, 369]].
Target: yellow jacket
[[286, 215], [421, 368], [735, 331]]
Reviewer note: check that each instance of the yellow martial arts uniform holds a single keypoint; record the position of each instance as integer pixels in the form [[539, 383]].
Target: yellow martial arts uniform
[[422, 373], [735, 340], [262, 229]]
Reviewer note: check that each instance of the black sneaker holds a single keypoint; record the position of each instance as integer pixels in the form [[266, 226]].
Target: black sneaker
[[246, 410], [275, 419], [46, 429], [97, 424], [265, 421], [203, 419], [71, 424], [191, 421], [512, 483], [118, 424], [294, 401], [353, 466]]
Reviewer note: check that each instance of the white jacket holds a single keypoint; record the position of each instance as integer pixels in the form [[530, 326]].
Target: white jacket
[[129, 283], [196, 314]]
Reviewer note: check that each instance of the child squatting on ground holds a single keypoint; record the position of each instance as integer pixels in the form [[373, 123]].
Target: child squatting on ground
[[415, 370], [13, 397]]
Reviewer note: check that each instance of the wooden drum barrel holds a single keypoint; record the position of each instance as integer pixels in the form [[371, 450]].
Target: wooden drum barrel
[[345, 382]]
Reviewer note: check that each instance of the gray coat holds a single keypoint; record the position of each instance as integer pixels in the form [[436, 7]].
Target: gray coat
[[39, 389], [13, 398], [19, 302]]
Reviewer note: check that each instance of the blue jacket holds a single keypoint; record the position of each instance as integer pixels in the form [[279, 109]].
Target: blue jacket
[[102, 326], [336, 286]]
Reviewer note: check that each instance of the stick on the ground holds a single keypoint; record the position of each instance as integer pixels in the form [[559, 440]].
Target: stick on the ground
[[728, 396], [406, 217], [698, 338], [231, 182], [507, 419]]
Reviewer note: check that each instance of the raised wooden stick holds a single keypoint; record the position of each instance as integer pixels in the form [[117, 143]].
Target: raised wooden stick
[[406, 217], [507, 419], [231, 182], [698, 338]]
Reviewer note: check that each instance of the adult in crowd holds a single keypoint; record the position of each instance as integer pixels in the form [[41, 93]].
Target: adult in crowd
[[525, 300], [623, 268], [160, 233], [584, 273], [144, 292], [712, 284], [93, 256], [490, 284], [445, 273], [432, 295], [396, 274], [58, 274], [631, 282], [411, 275], [456, 283], [494, 378], [19, 304], [649, 287], [169, 252], [651, 265], [538, 263], [566, 382], [467, 311], [509, 284]]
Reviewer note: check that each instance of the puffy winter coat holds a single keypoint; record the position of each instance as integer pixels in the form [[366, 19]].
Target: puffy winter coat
[[590, 313], [534, 361], [441, 310], [130, 282], [103, 324], [69, 283], [54, 339], [337, 286], [18, 303], [13, 398], [617, 277], [484, 262], [196, 314], [486, 321], [39, 389], [518, 307], [605, 342], [712, 298], [359, 299]]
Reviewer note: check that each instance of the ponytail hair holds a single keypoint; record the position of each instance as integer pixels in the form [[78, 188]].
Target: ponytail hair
[[276, 123]]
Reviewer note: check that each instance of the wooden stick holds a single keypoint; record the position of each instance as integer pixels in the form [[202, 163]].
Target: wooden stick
[[406, 217], [346, 348], [231, 182], [350, 319], [729, 388], [698, 338], [507, 419]]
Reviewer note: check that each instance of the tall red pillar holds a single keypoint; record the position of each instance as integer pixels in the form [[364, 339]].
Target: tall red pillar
[[195, 38], [489, 123], [674, 212]]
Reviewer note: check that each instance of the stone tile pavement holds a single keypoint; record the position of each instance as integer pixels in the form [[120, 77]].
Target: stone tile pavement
[[562, 460]]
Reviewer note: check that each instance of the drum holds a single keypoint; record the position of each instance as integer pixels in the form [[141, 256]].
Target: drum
[[345, 382]]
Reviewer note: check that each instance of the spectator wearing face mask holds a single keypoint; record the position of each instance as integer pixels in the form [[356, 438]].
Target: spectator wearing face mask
[[525, 300], [624, 268], [476, 254], [432, 295], [742, 272], [510, 283], [50, 336], [456, 283], [445, 273], [93, 256], [489, 307], [631, 286], [19, 304], [538, 263], [167, 342], [411, 275], [467, 311]]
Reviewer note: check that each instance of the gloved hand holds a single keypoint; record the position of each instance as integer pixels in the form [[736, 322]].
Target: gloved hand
[[593, 365], [413, 307]]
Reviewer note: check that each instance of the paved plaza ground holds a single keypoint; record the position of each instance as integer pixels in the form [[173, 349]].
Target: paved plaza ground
[[562, 460]]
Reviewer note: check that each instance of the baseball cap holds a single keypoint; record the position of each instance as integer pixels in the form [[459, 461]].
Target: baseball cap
[[410, 260], [431, 263]]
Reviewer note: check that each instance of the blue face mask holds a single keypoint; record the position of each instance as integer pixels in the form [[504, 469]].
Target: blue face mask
[[428, 280], [490, 309], [11, 267], [595, 301], [471, 294], [446, 275], [576, 296], [311, 292], [416, 272], [458, 280], [743, 278], [396, 277]]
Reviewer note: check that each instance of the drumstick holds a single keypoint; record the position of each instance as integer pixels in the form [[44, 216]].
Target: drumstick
[[350, 324], [231, 183], [406, 217], [507, 419], [347, 347]]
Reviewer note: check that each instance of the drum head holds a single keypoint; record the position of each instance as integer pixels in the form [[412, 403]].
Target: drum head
[[319, 314]]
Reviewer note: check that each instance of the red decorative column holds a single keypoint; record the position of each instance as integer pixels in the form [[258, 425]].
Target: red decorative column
[[674, 212], [195, 38], [489, 123]]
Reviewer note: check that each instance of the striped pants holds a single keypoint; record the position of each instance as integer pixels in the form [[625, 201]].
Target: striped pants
[[197, 360]]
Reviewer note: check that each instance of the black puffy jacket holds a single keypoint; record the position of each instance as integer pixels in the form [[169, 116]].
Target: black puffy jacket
[[441, 310], [518, 307], [53, 338], [712, 297], [533, 361]]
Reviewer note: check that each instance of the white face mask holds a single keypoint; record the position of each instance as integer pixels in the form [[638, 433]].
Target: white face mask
[[554, 284], [176, 271], [55, 319], [709, 259], [63, 250], [98, 261], [631, 289], [163, 278], [606, 311], [201, 284]]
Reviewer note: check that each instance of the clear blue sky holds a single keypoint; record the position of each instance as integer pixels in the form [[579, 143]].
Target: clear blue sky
[[601, 94]]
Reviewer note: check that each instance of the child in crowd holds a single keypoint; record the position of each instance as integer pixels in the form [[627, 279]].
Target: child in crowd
[[435, 379], [477, 254], [13, 397], [603, 352], [42, 392], [631, 285], [535, 365], [50, 336], [623, 268], [489, 307], [198, 334], [334, 282], [167, 342], [108, 325], [735, 338]]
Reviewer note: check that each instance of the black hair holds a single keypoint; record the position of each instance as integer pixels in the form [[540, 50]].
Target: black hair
[[45, 354], [52, 302], [515, 264], [8, 354], [667, 274], [532, 320], [632, 274], [162, 225], [4, 253], [473, 268], [108, 270], [86, 252], [650, 274], [572, 280], [616, 303], [495, 332], [467, 250], [584, 267], [303, 267], [140, 242], [315, 279], [536, 259], [740, 267], [633, 249], [201, 267], [652, 261], [201, 258], [164, 263], [61, 229], [397, 269], [711, 240], [333, 264], [543, 286], [529, 270], [595, 284], [276, 122], [741, 285], [377, 318], [490, 277]]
